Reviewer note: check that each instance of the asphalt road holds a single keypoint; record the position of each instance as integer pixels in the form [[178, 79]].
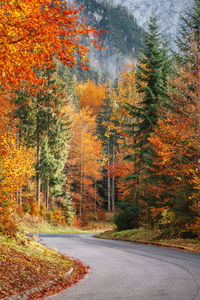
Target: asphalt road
[[128, 271]]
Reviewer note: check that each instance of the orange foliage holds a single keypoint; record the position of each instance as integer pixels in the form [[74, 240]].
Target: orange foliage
[[176, 143], [56, 216], [33, 32], [125, 95], [6, 111], [90, 95], [84, 162], [8, 224]]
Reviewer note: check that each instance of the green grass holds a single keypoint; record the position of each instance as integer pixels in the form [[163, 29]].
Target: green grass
[[31, 224], [30, 247], [146, 235]]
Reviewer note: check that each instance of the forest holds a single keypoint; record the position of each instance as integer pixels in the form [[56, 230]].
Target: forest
[[71, 149]]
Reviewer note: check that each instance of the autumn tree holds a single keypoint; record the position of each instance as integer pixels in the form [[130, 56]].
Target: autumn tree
[[34, 32], [84, 164], [176, 143], [90, 95], [16, 165], [107, 133], [144, 115], [44, 123], [189, 33]]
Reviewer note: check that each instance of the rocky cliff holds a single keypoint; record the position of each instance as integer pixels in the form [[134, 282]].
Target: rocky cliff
[[122, 40], [168, 13]]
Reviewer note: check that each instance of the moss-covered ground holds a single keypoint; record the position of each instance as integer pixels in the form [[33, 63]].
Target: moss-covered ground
[[149, 236]]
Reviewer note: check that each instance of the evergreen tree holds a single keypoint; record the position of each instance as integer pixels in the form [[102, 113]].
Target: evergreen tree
[[44, 124], [33, 115], [55, 146], [189, 33], [151, 81]]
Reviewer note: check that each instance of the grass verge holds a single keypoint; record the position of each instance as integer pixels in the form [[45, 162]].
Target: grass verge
[[31, 268], [149, 236], [32, 224]]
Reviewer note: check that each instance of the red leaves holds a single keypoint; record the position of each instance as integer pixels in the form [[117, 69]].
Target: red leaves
[[20, 272]]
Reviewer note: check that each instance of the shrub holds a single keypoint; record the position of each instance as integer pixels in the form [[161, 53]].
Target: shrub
[[26, 206], [196, 227], [56, 216], [101, 214], [69, 212], [34, 209], [127, 216], [8, 224], [43, 211], [76, 222]]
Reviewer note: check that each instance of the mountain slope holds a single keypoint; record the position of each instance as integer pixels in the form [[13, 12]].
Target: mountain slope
[[168, 12], [123, 40]]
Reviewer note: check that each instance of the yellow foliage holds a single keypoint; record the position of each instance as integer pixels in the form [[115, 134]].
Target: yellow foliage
[[16, 164], [91, 95]]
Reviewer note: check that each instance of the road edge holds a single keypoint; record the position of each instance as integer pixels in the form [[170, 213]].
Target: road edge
[[155, 244]]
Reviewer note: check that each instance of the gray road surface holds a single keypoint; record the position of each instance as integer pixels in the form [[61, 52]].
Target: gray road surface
[[128, 271]]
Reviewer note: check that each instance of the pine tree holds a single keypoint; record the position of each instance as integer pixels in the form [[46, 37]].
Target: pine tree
[[55, 147], [151, 79], [189, 33], [44, 124]]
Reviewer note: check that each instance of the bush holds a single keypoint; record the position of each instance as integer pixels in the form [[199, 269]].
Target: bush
[[26, 206], [69, 211], [8, 224], [188, 234], [127, 216], [56, 216], [34, 209]]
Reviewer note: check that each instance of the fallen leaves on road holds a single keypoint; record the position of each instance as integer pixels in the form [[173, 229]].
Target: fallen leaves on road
[[36, 268]]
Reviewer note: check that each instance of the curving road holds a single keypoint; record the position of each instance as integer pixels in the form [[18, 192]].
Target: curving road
[[128, 271]]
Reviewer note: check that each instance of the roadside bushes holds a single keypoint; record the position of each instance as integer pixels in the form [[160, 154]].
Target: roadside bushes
[[127, 216]]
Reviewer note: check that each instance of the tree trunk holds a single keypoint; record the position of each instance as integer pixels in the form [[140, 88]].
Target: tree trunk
[[95, 197], [20, 196], [113, 182], [47, 195], [81, 182], [38, 168], [109, 185]]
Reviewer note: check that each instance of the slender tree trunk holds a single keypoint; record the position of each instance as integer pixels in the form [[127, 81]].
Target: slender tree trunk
[[38, 168], [47, 195], [17, 141], [113, 182], [109, 185], [20, 196], [137, 178], [81, 179], [95, 196], [48, 175]]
